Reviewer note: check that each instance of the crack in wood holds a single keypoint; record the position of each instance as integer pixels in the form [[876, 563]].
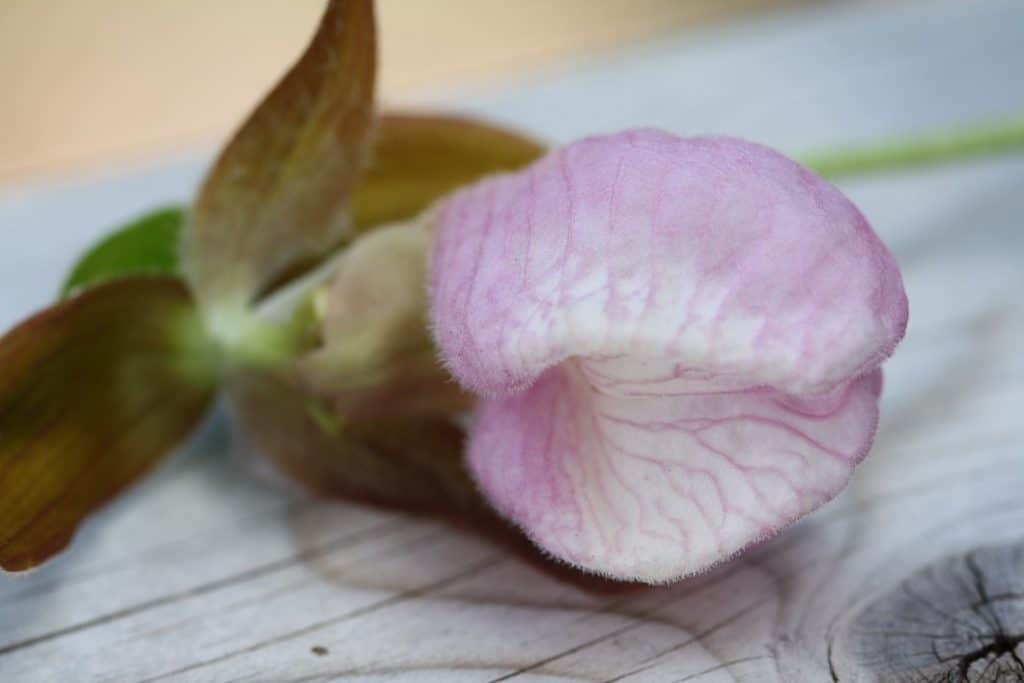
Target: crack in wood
[[395, 599], [945, 623], [206, 588]]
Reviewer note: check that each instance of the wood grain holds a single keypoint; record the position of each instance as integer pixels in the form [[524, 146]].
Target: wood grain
[[205, 573], [961, 618]]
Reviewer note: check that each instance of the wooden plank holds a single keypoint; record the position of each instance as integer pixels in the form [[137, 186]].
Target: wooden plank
[[204, 573]]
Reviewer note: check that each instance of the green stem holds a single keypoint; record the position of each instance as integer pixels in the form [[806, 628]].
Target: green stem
[[929, 150]]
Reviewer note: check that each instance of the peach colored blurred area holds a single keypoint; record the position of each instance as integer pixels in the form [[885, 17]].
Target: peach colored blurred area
[[92, 82]]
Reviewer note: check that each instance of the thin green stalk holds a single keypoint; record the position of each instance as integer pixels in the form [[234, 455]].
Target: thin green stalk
[[929, 150]]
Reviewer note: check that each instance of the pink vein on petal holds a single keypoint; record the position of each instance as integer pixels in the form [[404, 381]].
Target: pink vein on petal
[[677, 340]]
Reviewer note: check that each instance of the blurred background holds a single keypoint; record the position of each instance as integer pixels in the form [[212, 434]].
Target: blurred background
[[92, 83]]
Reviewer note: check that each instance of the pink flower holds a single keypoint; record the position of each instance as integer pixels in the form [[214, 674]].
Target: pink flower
[[677, 341]]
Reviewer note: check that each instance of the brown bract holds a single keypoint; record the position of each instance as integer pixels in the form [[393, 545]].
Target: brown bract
[[399, 461], [277, 195], [418, 158], [95, 391]]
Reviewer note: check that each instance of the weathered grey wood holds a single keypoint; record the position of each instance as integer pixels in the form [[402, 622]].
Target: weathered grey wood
[[960, 618], [204, 573]]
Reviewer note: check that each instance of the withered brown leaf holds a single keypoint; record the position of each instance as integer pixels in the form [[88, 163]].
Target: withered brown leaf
[[278, 194], [94, 392]]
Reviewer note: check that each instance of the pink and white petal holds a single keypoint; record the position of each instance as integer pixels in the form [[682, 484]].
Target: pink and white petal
[[720, 254], [680, 339], [663, 486]]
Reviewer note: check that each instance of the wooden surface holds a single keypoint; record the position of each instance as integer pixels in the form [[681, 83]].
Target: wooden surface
[[206, 574], [87, 83]]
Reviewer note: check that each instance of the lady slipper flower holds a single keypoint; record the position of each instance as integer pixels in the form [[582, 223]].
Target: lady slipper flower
[[676, 341]]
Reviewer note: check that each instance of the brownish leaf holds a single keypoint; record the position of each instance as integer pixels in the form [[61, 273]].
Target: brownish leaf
[[278, 194], [93, 392], [416, 159], [405, 462]]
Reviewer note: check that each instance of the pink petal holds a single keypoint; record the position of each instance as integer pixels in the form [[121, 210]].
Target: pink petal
[[661, 487], [704, 317]]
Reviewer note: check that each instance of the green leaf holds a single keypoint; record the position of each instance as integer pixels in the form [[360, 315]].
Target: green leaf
[[94, 391], [146, 246]]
